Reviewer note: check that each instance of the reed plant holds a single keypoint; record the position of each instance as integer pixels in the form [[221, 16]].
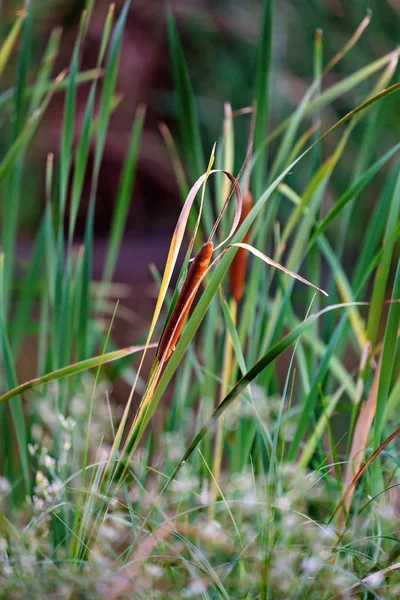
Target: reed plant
[[258, 456]]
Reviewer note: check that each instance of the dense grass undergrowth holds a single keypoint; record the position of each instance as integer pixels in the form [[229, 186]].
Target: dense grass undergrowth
[[270, 468]]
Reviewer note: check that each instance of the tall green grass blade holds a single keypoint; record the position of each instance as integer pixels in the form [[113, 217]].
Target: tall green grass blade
[[382, 273], [187, 110], [388, 359], [29, 293], [11, 208], [124, 196], [26, 134], [69, 122], [81, 158], [16, 408], [106, 104], [312, 397], [261, 96], [190, 128], [42, 84]]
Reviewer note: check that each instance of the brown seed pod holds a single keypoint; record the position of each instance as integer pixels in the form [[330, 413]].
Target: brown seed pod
[[185, 300], [237, 271]]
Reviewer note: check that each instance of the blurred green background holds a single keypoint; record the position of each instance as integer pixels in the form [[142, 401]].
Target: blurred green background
[[219, 39]]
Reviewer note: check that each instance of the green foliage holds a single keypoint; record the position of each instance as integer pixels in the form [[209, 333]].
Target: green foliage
[[269, 505]]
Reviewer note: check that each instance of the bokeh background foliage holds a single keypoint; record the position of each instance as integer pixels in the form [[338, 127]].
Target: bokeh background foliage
[[261, 459]]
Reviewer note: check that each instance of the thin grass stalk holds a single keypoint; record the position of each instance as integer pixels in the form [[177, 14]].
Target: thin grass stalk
[[227, 369]]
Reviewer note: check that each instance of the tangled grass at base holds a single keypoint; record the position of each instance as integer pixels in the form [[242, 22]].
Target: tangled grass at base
[[272, 470]]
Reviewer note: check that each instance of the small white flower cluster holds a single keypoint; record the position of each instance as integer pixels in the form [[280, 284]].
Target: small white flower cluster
[[5, 568], [46, 493], [5, 488]]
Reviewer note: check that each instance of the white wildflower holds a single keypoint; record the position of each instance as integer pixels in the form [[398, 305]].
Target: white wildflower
[[48, 462], [375, 580], [5, 487], [213, 530], [67, 423], [154, 570], [194, 589], [283, 503], [311, 565]]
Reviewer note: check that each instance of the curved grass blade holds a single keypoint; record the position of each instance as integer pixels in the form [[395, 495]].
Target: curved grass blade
[[272, 263], [73, 369]]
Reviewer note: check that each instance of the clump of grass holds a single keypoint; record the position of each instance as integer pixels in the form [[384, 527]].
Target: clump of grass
[[296, 494]]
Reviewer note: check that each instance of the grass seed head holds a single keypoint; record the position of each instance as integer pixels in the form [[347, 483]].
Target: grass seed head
[[237, 272], [185, 301]]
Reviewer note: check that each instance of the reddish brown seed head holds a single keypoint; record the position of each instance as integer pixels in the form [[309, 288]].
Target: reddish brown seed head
[[185, 300], [237, 271]]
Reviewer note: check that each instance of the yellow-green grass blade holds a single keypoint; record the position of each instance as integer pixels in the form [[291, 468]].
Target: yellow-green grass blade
[[339, 89], [10, 41], [72, 369]]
